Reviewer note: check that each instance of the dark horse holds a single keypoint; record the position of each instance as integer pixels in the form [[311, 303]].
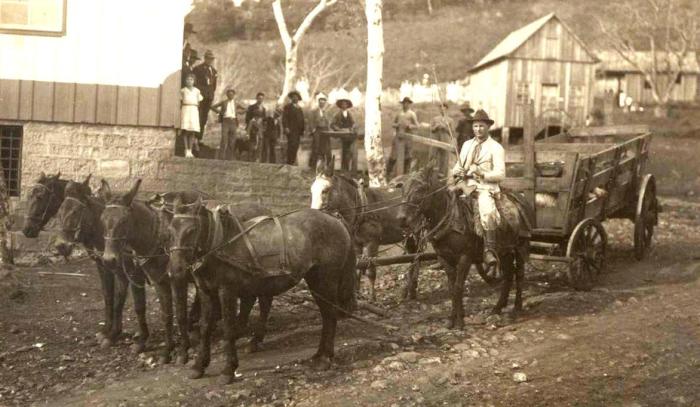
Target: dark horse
[[165, 205], [79, 217], [44, 200], [361, 208], [133, 225], [266, 257], [425, 197]]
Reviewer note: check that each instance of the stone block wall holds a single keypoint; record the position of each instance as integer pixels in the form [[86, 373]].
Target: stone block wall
[[121, 154]]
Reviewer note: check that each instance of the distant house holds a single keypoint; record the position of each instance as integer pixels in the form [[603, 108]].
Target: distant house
[[88, 86], [615, 74], [543, 61]]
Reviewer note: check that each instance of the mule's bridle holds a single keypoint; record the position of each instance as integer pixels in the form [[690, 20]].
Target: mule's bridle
[[117, 238], [40, 219], [195, 246]]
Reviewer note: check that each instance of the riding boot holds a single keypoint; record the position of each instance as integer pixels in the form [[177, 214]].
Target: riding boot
[[490, 257], [390, 167]]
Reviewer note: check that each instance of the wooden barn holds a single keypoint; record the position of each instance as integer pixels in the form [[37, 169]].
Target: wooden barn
[[615, 74], [88, 86], [543, 62]]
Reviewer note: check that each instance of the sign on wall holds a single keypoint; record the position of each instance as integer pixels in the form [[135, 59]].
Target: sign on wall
[[37, 17]]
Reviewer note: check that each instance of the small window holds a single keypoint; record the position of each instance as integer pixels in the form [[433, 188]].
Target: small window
[[647, 84], [679, 79], [11, 157], [33, 17], [523, 93]]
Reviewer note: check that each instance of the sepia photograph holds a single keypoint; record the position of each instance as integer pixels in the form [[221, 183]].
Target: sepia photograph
[[295, 203]]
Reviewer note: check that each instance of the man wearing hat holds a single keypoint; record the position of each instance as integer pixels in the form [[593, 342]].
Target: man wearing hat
[[205, 80], [343, 121], [293, 125], [320, 119], [480, 169], [228, 118], [256, 110], [405, 121], [464, 127], [189, 58]]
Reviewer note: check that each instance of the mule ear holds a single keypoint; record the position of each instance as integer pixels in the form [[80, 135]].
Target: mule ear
[[104, 192], [42, 176], [320, 167], [58, 175], [129, 197], [86, 183], [414, 165]]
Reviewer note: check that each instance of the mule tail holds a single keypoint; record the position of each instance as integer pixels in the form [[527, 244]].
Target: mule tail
[[347, 299]]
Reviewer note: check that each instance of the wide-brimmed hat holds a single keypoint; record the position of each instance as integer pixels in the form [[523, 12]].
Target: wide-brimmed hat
[[209, 54], [320, 96], [406, 100], [481, 116], [293, 93], [339, 101], [466, 108], [229, 89]]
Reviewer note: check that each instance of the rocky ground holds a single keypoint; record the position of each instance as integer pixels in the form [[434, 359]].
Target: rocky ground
[[632, 341]]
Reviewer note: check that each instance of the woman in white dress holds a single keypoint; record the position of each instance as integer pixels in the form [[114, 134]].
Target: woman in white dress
[[189, 117]]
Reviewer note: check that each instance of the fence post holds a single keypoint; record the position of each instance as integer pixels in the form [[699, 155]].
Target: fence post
[[401, 155], [529, 153]]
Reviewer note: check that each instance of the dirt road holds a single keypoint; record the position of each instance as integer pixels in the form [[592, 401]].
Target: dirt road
[[632, 341]]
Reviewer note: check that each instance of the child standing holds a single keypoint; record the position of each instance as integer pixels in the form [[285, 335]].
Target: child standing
[[189, 120]]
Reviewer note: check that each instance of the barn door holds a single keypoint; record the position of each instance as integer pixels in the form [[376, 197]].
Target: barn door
[[550, 100]]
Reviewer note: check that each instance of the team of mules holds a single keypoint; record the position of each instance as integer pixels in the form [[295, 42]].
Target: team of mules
[[241, 252]]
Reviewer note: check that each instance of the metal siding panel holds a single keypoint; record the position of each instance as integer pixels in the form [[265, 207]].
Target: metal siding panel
[[148, 106], [43, 101], [170, 101], [26, 99], [85, 103], [9, 99], [106, 104], [128, 105], [64, 102]]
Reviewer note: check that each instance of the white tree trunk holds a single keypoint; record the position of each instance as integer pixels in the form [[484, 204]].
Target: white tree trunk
[[373, 112], [290, 71], [291, 43]]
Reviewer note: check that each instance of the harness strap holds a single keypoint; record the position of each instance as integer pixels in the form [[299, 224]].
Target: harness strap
[[283, 236], [248, 244]]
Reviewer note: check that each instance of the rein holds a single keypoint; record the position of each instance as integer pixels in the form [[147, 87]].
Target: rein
[[48, 203]]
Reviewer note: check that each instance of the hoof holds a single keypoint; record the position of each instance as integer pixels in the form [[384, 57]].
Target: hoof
[[320, 363], [182, 359], [196, 374], [138, 347], [225, 379], [106, 342], [164, 359]]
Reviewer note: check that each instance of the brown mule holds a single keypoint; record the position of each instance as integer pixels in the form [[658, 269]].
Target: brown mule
[[306, 244], [427, 198], [79, 218], [44, 200]]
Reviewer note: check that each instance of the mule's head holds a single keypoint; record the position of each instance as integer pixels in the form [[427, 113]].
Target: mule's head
[[324, 191], [416, 188], [44, 199], [185, 231], [117, 220], [72, 215]]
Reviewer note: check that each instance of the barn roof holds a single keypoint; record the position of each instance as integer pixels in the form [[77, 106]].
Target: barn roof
[[612, 61], [517, 38]]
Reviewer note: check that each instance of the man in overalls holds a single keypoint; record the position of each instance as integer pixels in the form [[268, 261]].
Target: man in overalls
[[481, 168]]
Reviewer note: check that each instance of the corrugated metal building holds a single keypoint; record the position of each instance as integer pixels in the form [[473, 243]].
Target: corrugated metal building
[[543, 61], [615, 74]]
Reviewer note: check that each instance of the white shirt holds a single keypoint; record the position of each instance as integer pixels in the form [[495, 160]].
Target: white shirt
[[230, 112], [491, 160]]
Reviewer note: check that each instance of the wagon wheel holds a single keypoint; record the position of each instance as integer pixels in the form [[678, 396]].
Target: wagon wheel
[[645, 217], [586, 249]]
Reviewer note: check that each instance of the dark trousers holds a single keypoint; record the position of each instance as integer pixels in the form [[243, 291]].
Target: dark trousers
[[204, 107], [320, 148], [267, 150], [346, 155], [293, 141], [228, 136]]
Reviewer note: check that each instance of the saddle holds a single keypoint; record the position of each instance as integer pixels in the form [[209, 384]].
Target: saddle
[[516, 218]]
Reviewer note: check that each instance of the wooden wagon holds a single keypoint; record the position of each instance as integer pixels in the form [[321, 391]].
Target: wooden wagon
[[575, 180], [578, 179]]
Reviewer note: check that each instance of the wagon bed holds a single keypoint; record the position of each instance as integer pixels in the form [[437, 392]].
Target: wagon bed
[[576, 180]]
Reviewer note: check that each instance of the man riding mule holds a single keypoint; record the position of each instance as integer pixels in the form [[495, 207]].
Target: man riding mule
[[480, 169]]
